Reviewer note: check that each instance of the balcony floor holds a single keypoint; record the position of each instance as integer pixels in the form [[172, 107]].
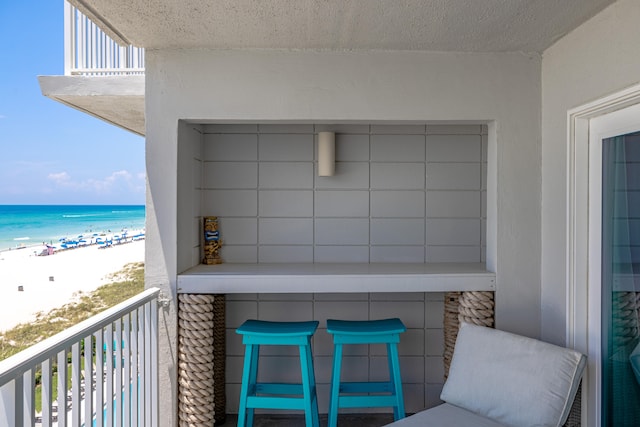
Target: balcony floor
[[277, 420]]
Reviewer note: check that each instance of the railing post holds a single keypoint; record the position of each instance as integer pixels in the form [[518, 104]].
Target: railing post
[[154, 362], [90, 51], [7, 404], [126, 342], [69, 37]]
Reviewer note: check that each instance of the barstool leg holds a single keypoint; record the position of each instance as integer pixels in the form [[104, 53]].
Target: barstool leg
[[334, 397], [244, 389], [309, 387], [394, 374]]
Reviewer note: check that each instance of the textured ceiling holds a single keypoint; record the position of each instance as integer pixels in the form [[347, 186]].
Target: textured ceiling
[[430, 25]]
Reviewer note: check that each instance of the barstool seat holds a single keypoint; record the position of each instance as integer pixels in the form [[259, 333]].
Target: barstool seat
[[301, 396], [358, 394]]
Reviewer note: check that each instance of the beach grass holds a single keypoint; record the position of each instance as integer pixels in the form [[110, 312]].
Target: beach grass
[[126, 283]]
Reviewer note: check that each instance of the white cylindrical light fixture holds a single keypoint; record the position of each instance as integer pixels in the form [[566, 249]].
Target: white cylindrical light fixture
[[326, 153]]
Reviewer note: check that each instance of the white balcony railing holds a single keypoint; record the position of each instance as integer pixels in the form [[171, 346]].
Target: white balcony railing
[[110, 361], [89, 51]]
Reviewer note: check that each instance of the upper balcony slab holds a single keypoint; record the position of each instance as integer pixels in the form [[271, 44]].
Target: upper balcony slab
[[118, 100]]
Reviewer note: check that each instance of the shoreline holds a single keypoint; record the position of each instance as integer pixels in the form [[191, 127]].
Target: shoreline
[[49, 282], [103, 239]]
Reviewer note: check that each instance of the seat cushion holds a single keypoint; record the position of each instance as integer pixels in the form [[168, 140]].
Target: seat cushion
[[446, 415], [514, 380]]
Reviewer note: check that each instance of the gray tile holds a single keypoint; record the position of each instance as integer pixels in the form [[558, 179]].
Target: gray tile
[[484, 148], [285, 128], [410, 312], [230, 128], [284, 175], [453, 204], [230, 147], [397, 176], [453, 232], [286, 147], [342, 128], [434, 342], [236, 312], [230, 202], [285, 310], [285, 254], [454, 148], [397, 129], [351, 203], [343, 310], [285, 231], [454, 176], [349, 175], [453, 254], [399, 204], [341, 254], [287, 203], [341, 231], [434, 369], [411, 344], [433, 314], [409, 231], [239, 254], [288, 297], [397, 254], [454, 129], [238, 231], [397, 296], [230, 175], [342, 296], [397, 148], [412, 369], [352, 148]]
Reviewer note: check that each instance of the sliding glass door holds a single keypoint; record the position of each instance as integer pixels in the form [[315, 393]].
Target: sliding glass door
[[620, 298]]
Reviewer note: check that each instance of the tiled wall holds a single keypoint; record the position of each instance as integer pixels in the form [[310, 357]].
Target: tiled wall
[[400, 194]]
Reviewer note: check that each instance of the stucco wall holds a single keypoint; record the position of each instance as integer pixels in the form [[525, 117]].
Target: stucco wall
[[599, 58], [263, 86]]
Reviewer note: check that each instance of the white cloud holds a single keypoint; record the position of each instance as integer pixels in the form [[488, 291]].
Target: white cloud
[[118, 181], [60, 178]]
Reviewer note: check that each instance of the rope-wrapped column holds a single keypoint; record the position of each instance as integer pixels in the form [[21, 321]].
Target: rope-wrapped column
[[624, 315], [451, 326], [477, 307], [219, 358], [195, 360]]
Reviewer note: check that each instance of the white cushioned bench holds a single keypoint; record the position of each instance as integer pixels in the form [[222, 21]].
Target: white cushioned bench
[[499, 379]]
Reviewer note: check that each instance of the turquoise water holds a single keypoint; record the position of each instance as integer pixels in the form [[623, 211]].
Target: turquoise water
[[25, 225]]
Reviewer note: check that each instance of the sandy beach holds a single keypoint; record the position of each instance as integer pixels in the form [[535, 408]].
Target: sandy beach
[[51, 281]]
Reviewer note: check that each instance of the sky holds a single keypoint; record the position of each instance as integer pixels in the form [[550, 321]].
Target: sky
[[51, 153]]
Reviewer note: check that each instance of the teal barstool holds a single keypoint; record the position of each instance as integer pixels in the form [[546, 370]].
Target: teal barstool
[[277, 395], [358, 394]]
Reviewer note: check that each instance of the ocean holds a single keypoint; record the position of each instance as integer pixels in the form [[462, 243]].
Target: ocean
[[26, 225]]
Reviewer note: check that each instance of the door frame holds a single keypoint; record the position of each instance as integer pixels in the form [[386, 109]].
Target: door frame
[[583, 239]]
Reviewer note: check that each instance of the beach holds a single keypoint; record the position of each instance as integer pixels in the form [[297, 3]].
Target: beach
[[52, 281]]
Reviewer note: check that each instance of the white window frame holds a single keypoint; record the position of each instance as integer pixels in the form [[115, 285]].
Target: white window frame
[[587, 126]]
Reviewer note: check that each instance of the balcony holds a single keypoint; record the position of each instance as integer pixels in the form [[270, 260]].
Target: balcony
[[103, 371], [102, 76]]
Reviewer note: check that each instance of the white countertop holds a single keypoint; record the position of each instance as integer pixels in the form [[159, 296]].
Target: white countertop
[[335, 278]]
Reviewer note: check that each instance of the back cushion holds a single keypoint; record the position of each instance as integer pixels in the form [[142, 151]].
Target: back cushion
[[514, 380]]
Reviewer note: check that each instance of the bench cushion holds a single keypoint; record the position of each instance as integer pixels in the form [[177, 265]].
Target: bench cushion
[[514, 380], [446, 415]]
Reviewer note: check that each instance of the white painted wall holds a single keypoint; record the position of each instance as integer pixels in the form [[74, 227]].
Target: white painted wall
[[315, 87], [599, 58]]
